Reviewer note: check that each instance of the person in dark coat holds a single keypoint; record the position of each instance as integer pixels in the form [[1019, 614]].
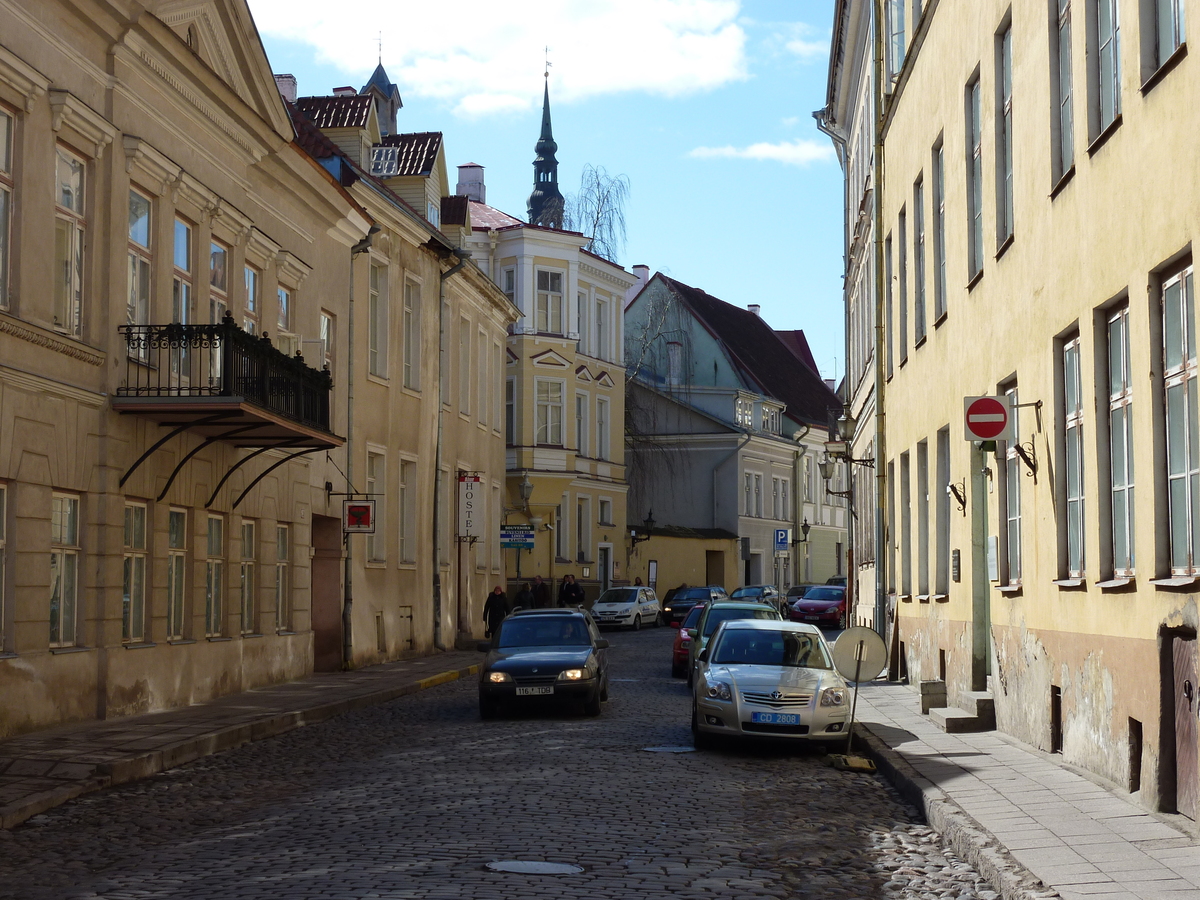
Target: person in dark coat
[[524, 597], [494, 610], [569, 593], [541, 593]]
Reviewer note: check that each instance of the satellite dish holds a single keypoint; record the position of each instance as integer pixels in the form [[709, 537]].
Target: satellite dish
[[859, 654]]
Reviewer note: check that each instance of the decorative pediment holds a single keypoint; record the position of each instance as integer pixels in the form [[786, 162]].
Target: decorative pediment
[[605, 380], [292, 268], [147, 166], [19, 81], [550, 359], [510, 358], [582, 374], [76, 122]]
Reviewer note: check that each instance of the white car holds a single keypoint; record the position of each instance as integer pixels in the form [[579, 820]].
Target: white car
[[763, 678], [630, 606]]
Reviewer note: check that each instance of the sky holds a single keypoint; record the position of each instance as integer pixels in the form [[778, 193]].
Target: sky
[[705, 105]]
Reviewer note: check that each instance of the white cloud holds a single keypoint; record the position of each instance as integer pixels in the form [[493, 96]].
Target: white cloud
[[793, 153], [790, 121], [484, 57], [808, 50]]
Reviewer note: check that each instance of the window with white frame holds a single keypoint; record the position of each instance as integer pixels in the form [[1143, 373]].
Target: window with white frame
[[253, 308], [775, 498], [1010, 572], [889, 301], [1063, 92], [246, 580], [744, 412], [64, 569], [785, 500], [176, 571], [181, 297], [376, 487], [285, 338], [974, 178], [548, 308], [918, 225], [1106, 65], [939, 231], [137, 306], [377, 317], [922, 518], [941, 498], [896, 38], [902, 282], [1183, 448], [214, 577], [583, 529], [218, 282], [549, 411], [808, 478], [758, 495], [1120, 440], [561, 540], [412, 337], [483, 378], [70, 231], [508, 281], [1004, 137], [906, 582], [1073, 450], [748, 505], [283, 595], [606, 513], [464, 367], [582, 312], [494, 387], [406, 512], [581, 425], [602, 350], [133, 594], [6, 203], [510, 412], [602, 448], [328, 334]]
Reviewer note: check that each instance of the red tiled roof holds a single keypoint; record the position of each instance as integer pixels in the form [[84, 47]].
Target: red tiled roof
[[760, 354], [798, 344], [337, 112], [454, 210], [487, 218], [416, 153], [310, 138]]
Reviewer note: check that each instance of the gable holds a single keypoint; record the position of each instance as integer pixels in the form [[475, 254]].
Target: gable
[[223, 35], [604, 380], [510, 358], [582, 374], [550, 359]]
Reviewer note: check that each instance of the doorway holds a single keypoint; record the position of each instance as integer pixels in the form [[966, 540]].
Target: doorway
[[604, 562], [327, 594], [714, 567], [1187, 772]]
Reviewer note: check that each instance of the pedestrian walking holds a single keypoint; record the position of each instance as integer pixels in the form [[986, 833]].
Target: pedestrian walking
[[524, 597], [494, 610], [569, 593], [541, 593], [637, 582]]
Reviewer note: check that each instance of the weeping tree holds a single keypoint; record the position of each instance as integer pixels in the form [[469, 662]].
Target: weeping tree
[[598, 210]]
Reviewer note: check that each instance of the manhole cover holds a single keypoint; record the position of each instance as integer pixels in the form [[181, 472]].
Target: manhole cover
[[531, 867], [680, 749]]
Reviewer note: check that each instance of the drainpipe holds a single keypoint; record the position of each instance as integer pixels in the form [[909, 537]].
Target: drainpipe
[[348, 604], [717, 468], [438, 512], [881, 573]]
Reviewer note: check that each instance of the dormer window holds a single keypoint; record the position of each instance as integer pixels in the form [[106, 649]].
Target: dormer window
[[744, 415], [434, 214], [770, 419]]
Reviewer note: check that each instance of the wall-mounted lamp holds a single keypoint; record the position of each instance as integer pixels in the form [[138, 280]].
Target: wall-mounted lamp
[[1025, 452], [647, 530], [959, 493], [805, 528]]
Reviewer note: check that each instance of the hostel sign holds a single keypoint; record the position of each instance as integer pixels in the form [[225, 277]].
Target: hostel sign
[[470, 509]]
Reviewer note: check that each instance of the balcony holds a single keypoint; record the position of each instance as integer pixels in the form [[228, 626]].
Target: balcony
[[223, 384]]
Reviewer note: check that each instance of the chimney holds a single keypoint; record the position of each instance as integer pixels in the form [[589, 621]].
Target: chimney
[[345, 92], [470, 183], [755, 308], [643, 276], [287, 87], [829, 383]]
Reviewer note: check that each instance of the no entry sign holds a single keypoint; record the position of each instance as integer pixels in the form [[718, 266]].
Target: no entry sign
[[987, 419]]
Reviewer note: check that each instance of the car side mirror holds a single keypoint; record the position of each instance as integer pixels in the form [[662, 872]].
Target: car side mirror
[[692, 633], [703, 655], [483, 646], [601, 644]]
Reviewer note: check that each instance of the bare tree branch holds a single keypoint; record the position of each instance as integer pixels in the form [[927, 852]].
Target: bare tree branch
[[598, 211]]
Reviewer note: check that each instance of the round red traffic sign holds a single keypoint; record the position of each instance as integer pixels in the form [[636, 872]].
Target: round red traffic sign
[[986, 418]]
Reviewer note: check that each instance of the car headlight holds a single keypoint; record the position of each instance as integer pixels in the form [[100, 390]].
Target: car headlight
[[499, 677], [719, 690], [627, 610], [571, 674], [833, 697]]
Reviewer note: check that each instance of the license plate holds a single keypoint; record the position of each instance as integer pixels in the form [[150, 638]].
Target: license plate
[[812, 618], [775, 718], [535, 691]]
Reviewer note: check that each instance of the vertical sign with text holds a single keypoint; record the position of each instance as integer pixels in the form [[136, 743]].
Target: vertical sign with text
[[469, 506]]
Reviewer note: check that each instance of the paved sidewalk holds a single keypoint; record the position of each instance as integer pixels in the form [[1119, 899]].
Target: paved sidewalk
[[1021, 817], [41, 770]]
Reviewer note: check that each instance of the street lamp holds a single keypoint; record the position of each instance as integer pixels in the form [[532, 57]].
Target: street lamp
[[526, 488], [805, 528], [647, 528]]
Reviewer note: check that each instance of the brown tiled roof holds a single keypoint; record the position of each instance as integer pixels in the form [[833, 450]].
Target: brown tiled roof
[[309, 136], [454, 210], [415, 153], [763, 358], [798, 344], [486, 218], [337, 112]]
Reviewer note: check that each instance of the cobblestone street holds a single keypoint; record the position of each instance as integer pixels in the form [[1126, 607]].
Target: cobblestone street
[[415, 797]]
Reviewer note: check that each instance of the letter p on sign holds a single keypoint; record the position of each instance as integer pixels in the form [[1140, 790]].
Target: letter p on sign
[[987, 419]]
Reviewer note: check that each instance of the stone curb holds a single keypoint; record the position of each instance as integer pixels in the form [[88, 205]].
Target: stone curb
[[144, 765], [967, 837]]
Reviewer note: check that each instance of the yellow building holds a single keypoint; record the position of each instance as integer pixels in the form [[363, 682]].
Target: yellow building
[[1036, 224]]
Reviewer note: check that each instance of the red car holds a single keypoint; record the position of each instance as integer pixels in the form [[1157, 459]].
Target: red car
[[822, 605], [683, 642]]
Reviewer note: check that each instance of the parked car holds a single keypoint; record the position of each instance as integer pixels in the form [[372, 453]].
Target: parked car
[[836, 579], [796, 591], [544, 654], [764, 593], [681, 650], [675, 610], [720, 611], [631, 606], [823, 605], [765, 679]]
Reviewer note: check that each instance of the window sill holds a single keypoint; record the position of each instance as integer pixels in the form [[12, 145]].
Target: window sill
[[139, 645], [1010, 589], [179, 642], [1102, 137], [922, 598], [1070, 583], [920, 342], [410, 391], [58, 650], [563, 559], [606, 525], [1176, 581], [375, 564], [378, 379], [904, 598], [286, 633], [1062, 182], [216, 638], [941, 598], [252, 634], [1115, 584], [407, 564], [975, 279], [1168, 64], [940, 319], [1004, 245], [903, 360]]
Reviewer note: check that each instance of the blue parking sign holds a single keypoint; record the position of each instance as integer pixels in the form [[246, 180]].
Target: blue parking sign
[[782, 538]]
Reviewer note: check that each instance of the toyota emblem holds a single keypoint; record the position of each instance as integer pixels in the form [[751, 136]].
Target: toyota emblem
[[535, 671], [775, 695]]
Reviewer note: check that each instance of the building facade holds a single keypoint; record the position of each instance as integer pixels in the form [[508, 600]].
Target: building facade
[[1037, 230]]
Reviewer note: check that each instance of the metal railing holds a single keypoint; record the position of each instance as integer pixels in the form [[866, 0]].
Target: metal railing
[[222, 360]]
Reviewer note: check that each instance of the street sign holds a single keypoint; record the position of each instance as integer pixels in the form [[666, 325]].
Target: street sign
[[783, 540], [470, 506], [518, 537], [358, 516], [987, 419]]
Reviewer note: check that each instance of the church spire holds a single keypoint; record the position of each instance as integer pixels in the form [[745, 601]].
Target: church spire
[[546, 203]]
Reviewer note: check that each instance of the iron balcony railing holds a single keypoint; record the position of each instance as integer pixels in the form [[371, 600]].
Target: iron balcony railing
[[222, 360]]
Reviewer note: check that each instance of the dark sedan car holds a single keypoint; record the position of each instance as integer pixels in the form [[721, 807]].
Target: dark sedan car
[[823, 605], [675, 610], [544, 654]]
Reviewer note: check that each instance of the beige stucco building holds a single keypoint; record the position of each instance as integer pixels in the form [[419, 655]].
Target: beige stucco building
[[1037, 219]]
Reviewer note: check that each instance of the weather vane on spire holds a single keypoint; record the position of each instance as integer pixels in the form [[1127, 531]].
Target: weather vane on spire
[[380, 48], [548, 63]]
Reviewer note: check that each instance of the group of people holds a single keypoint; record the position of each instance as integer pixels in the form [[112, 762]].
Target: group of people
[[535, 595]]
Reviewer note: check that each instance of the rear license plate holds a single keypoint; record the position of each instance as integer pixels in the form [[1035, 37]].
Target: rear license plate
[[812, 618], [775, 718], [534, 691]]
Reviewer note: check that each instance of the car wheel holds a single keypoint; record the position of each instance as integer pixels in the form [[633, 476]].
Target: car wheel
[[591, 706], [488, 709], [637, 622], [676, 670]]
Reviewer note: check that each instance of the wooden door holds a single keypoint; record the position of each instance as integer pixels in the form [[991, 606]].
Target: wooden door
[[327, 594], [1187, 772]]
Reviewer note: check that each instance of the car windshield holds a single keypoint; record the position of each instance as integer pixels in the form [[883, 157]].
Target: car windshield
[[747, 592], [799, 590], [825, 594], [717, 616], [618, 595], [543, 631], [694, 616], [770, 648], [691, 594]]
